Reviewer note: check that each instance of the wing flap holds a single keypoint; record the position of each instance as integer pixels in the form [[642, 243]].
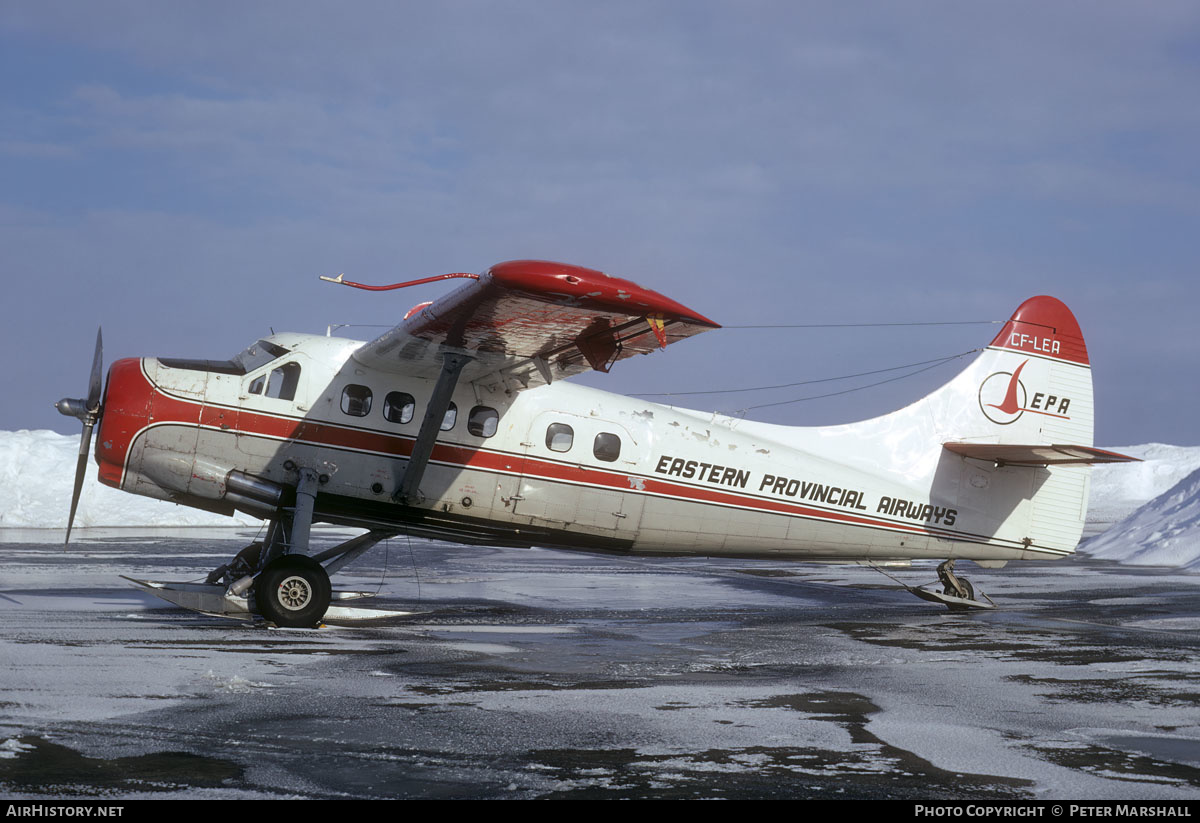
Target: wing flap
[[532, 321]]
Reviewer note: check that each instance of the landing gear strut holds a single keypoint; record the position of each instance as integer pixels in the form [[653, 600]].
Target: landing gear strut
[[959, 587]]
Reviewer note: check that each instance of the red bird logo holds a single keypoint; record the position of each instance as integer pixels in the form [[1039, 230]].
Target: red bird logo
[[1015, 401], [1010, 404]]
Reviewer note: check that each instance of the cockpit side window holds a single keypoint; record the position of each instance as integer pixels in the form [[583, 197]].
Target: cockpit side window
[[283, 382], [280, 384]]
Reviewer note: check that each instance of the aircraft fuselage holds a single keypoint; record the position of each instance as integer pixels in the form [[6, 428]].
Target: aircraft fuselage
[[558, 465]]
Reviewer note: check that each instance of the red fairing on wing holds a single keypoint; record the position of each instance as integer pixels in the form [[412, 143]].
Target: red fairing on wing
[[1044, 326], [128, 401], [573, 318], [588, 288]]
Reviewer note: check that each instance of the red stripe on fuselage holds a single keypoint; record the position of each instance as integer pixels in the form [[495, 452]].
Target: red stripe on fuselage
[[168, 408]]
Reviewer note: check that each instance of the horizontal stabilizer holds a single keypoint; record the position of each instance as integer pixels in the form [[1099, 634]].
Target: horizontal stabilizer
[[1008, 454]]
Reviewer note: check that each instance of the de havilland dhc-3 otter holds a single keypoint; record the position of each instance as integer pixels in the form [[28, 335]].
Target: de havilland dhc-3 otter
[[458, 424]]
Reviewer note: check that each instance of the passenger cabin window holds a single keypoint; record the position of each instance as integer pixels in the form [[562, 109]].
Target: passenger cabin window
[[398, 407], [451, 416], [483, 421], [280, 384], [559, 437], [607, 447], [356, 400]]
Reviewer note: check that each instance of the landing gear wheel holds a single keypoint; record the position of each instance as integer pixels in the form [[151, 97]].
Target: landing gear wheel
[[968, 593], [293, 591]]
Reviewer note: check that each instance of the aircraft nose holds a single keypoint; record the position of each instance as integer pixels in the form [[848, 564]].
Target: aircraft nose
[[128, 401]]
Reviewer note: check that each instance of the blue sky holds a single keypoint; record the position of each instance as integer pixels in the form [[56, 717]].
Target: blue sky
[[181, 173]]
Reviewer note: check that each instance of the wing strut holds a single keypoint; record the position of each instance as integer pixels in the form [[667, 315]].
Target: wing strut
[[452, 365]]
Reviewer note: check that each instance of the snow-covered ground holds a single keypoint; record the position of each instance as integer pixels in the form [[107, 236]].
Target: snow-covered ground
[[532, 673], [1144, 513]]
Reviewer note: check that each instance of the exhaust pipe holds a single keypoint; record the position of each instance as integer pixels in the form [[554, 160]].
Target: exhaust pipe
[[240, 486], [250, 506]]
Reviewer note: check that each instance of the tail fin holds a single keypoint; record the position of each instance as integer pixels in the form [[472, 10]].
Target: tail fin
[[1020, 422], [1031, 386], [1004, 446]]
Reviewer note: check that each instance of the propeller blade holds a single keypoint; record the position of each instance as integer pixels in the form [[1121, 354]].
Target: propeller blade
[[89, 415], [85, 444], [97, 379]]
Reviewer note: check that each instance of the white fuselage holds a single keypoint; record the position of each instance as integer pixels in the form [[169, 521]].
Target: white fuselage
[[570, 466]]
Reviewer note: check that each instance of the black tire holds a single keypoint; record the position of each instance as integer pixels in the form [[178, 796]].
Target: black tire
[[293, 591], [969, 594], [248, 558]]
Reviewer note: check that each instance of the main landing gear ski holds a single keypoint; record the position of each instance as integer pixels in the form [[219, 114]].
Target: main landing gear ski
[[276, 578], [957, 593]]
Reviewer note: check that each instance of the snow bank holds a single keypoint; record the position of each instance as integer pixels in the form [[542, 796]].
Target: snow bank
[[1163, 532], [37, 469], [1120, 488]]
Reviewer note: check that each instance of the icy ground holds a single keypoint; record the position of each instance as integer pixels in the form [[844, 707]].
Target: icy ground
[[530, 673], [1150, 509]]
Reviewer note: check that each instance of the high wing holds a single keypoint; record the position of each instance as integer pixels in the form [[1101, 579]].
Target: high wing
[[529, 322]]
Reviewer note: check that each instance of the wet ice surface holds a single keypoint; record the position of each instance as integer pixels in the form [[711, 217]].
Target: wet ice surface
[[530, 673]]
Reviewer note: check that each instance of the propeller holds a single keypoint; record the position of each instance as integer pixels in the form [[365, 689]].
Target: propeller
[[87, 410]]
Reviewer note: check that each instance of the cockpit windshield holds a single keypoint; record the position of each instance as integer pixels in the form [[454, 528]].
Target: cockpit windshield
[[258, 354]]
